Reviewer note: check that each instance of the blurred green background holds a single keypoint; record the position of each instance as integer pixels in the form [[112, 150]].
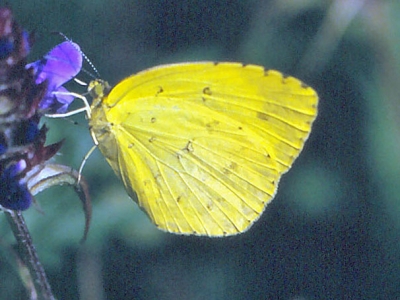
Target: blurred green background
[[332, 232]]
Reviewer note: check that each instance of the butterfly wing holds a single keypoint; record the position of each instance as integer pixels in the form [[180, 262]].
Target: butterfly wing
[[202, 144]]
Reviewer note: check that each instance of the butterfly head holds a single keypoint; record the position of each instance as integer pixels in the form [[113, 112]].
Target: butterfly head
[[98, 89]]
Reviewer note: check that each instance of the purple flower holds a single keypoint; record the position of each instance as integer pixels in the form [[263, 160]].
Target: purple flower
[[60, 65], [14, 192]]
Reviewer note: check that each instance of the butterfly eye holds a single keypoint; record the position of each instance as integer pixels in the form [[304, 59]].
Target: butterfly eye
[[98, 88]]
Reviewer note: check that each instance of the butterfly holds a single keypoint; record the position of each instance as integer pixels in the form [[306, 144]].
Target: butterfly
[[202, 145]]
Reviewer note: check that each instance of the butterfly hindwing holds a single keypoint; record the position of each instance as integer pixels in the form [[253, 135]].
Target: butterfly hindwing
[[204, 145]]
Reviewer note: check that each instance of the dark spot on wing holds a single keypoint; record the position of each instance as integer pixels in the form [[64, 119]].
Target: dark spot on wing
[[303, 85], [262, 116], [160, 90], [233, 165], [207, 91], [189, 147]]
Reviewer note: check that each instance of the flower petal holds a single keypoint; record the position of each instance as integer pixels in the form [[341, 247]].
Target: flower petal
[[60, 65]]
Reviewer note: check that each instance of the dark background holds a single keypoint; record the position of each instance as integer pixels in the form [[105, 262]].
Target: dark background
[[332, 232]]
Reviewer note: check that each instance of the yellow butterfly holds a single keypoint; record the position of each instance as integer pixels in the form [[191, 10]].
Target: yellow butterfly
[[203, 145]]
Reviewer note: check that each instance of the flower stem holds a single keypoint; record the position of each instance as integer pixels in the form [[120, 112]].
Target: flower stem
[[28, 254]]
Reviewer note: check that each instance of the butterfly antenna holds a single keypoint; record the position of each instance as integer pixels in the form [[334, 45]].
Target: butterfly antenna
[[84, 56]]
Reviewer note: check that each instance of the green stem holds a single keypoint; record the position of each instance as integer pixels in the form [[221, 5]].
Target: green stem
[[29, 255]]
